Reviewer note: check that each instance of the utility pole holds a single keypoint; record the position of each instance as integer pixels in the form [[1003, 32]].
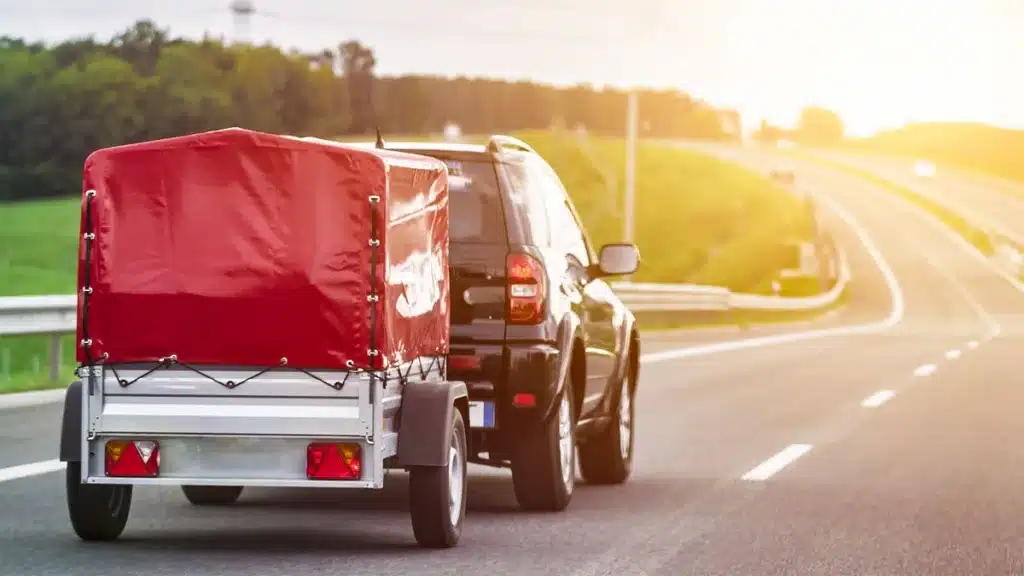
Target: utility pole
[[631, 137]]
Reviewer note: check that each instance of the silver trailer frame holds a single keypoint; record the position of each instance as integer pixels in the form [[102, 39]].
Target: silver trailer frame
[[236, 427], [254, 434]]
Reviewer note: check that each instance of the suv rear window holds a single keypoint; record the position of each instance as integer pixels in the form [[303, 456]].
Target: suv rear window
[[474, 203]]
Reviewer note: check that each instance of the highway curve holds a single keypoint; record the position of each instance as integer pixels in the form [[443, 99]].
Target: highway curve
[[752, 458]]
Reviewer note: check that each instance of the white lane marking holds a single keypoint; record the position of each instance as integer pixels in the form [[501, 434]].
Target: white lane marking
[[993, 326], [30, 470], [877, 399], [894, 318], [972, 344], [945, 229], [952, 354], [25, 399], [771, 466], [924, 370]]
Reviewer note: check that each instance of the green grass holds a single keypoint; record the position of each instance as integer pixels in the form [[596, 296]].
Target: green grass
[[698, 219], [976, 236], [38, 243], [968, 146]]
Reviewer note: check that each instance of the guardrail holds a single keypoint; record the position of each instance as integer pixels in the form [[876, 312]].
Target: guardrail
[[56, 315]]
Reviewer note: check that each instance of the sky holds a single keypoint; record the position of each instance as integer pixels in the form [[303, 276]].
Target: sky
[[878, 63]]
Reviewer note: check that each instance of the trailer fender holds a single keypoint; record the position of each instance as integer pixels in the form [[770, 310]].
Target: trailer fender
[[425, 425], [71, 424]]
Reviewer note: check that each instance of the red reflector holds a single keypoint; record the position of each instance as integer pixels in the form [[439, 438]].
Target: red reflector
[[329, 461], [527, 289], [463, 362], [128, 458], [524, 400]]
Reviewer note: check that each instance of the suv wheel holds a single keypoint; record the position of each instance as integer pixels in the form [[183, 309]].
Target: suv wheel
[[608, 457], [544, 464]]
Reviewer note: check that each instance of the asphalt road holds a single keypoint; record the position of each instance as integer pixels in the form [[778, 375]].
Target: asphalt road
[[881, 440], [995, 202]]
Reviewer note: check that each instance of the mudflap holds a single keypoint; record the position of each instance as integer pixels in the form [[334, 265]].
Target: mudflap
[[71, 424], [424, 427]]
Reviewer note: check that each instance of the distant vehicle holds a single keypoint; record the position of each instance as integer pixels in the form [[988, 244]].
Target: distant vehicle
[[543, 344], [783, 176], [924, 169]]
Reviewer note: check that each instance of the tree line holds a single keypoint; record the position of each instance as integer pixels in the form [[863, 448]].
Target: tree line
[[817, 126], [58, 103]]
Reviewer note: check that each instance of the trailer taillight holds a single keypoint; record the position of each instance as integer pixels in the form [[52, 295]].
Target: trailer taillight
[[527, 289], [132, 458], [331, 461]]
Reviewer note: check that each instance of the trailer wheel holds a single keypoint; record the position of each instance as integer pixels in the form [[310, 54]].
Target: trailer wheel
[[212, 495], [437, 494], [99, 512], [544, 461]]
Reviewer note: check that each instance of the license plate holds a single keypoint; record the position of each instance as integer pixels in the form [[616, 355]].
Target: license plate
[[481, 414]]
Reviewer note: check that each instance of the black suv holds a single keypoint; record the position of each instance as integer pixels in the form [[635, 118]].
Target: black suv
[[549, 353]]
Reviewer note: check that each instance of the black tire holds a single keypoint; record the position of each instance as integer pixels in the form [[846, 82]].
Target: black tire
[[99, 512], [536, 461], [430, 494], [212, 495], [601, 458]]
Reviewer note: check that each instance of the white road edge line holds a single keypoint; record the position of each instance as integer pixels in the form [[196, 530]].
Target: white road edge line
[[30, 470], [938, 224], [972, 344], [894, 318], [952, 354], [877, 399], [993, 326], [925, 370], [773, 465]]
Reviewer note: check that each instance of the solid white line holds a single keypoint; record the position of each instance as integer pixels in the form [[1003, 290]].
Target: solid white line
[[972, 344], [993, 326], [952, 354], [29, 470], [894, 318], [924, 370], [878, 398], [25, 399], [938, 224], [769, 467]]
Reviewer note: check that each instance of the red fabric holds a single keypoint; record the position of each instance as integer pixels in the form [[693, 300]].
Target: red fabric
[[239, 247]]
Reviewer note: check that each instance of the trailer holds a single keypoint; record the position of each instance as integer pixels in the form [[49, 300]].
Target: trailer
[[262, 310]]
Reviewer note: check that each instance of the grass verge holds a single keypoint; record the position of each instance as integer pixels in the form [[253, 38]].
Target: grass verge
[[698, 220]]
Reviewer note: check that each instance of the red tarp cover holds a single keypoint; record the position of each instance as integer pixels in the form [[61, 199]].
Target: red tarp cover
[[239, 247]]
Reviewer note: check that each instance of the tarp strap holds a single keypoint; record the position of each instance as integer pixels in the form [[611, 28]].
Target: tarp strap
[[88, 237], [373, 298], [172, 360]]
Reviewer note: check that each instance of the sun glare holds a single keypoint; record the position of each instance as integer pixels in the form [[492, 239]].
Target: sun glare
[[881, 63]]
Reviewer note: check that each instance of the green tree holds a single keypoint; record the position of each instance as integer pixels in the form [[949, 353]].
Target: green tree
[[59, 103], [819, 126]]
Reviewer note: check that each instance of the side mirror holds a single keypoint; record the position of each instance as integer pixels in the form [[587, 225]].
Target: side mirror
[[618, 259]]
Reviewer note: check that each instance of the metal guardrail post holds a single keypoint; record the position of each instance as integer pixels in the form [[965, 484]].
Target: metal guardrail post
[[55, 357]]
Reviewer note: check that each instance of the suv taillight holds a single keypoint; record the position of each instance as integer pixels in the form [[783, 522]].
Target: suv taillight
[[527, 289]]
